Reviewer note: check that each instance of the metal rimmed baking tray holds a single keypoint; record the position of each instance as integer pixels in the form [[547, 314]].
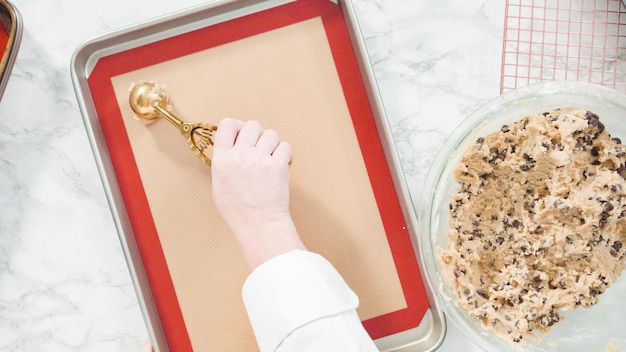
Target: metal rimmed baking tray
[[10, 37], [301, 68]]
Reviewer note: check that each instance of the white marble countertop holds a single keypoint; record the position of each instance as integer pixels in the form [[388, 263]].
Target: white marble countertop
[[64, 284]]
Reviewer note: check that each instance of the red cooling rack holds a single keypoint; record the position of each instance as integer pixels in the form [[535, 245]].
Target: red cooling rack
[[582, 40]]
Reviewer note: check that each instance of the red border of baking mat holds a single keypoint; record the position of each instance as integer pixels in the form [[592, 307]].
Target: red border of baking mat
[[380, 177], [4, 40]]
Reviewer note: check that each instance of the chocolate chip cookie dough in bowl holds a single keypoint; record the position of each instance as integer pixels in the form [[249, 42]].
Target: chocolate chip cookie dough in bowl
[[523, 221]]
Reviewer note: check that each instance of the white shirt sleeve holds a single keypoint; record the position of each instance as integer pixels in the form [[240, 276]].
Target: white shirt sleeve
[[297, 301]]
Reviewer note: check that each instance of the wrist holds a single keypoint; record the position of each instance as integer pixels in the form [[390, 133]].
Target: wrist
[[265, 240]]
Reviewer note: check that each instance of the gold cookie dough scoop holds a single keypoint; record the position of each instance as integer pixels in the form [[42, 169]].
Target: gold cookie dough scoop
[[148, 101]]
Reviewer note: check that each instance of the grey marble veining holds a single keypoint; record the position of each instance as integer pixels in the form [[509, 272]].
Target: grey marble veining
[[435, 62]]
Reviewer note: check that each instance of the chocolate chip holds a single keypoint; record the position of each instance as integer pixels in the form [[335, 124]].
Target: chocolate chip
[[579, 299], [603, 219], [558, 146], [600, 128], [617, 245], [537, 278], [587, 174], [548, 319], [528, 163], [590, 115], [579, 145], [621, 170], [505, 129], [481, 292], [594, 121], [595, 151], [603, 279], [480, 140]]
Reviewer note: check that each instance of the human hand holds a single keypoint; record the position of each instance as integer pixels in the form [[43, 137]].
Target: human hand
[[250, 173]]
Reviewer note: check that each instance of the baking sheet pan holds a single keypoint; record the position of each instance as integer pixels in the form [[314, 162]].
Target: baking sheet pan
[[300, 68], [10, 37]]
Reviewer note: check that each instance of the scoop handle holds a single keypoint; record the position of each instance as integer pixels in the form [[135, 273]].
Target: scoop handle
[[199, 135]]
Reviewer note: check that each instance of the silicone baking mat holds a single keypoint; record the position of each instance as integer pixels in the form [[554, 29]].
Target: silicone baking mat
[[4, 38], [581, 40], [10, 37], [292, 68]]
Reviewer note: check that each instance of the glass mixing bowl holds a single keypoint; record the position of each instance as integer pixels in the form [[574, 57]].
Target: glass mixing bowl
[[598, 328]]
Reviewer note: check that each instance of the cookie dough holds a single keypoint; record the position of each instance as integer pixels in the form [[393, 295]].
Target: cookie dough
[[539, 222]]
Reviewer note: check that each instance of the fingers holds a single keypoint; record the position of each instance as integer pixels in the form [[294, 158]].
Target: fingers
[[283, 152], [249, 134], [268, 141], [231, 133], [226, 134]]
